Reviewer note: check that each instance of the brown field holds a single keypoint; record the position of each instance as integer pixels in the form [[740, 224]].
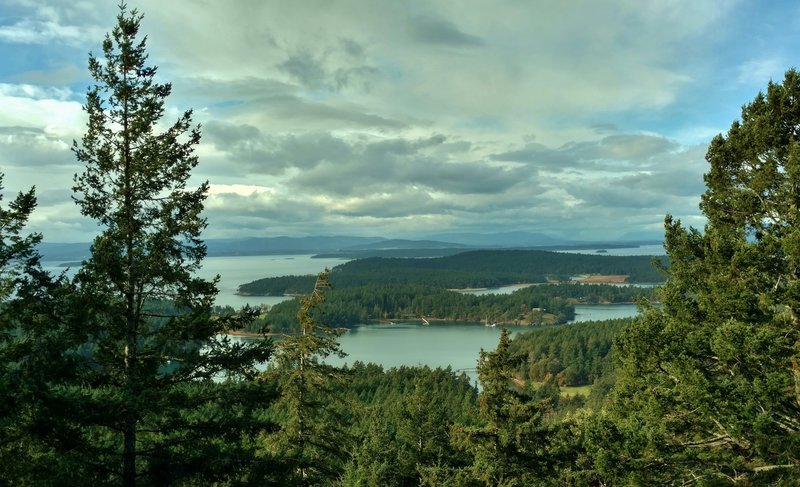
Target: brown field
[[603, 279]]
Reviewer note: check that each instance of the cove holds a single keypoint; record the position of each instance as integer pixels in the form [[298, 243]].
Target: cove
[[456, 345]]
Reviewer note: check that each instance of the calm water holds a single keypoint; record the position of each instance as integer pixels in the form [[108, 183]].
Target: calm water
[[656, 249], [597, 312], [437, 345], [440, 345], [237, 270]]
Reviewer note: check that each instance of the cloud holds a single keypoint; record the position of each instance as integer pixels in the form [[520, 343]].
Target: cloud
[[41, 108], [393, 117], [69, 23], [238, 189], [442, 32], [37, 32], [372, 166], [613, 151], [291, 108], [760, 71], [33, 147], [266, 154], [60, 76], [304, 68], [35, 92]]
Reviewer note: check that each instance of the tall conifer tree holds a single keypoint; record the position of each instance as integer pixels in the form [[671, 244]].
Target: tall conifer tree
[[154, 349], [710, 385], [511, 448], [19, 274], [312, 437]]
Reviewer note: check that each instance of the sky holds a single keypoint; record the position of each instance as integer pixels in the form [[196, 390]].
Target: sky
[[583, 120]]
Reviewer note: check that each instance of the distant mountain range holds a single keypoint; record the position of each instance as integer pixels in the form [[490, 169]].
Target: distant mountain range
[[407, 244], [358, 246], [506, 239], [285, 245]]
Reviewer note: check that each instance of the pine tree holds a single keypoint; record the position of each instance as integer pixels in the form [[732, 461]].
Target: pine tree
[[19, 272], [312, 436], [710, 384], [511, 448], [424, 425], [153, 352]]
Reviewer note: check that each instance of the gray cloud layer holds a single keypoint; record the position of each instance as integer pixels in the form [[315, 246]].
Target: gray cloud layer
[[394, 118]]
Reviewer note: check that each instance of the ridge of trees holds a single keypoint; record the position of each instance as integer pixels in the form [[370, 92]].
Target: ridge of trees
[[575, 355]]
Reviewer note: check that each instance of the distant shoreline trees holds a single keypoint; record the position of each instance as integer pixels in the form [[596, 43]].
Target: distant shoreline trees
[[545, 304]]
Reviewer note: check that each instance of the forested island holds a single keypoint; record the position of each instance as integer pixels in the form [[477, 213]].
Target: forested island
[[545, 304], [474, 269]]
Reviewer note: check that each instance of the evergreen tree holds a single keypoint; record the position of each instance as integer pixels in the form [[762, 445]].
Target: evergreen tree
[[710, 383], [424, 425], [312, 437], [19, 272], [146, 400], [511, 448]]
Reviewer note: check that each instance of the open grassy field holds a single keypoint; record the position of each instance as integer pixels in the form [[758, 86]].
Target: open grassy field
[[574, 391]]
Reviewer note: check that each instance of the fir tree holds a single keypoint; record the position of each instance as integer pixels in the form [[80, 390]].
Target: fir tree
[[146, 394], [511, 448], [19, 274], [312, 437], [710, 384]]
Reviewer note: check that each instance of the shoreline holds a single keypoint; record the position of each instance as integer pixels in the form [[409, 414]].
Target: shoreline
[[602, 279], [518, 285], [251, 334]]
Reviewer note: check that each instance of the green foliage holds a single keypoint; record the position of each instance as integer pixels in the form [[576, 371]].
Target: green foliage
[[477, 269], [22, 343], [709, 385], [402, 418], [511, 446], [533, 305], [573, 355], [122, 366], [312, 437]]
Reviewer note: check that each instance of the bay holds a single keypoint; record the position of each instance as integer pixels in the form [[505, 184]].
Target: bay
[[456, 345], [598, 312], [236, 270]]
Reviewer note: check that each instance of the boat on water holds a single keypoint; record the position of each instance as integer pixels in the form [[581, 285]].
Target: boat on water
[[424, 321]]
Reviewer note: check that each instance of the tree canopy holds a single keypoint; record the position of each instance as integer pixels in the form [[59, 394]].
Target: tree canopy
[[714, 373]]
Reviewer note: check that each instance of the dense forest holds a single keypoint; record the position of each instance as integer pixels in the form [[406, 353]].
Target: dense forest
[[125, 375], [474, 269], [545, 304], [574, 355]]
